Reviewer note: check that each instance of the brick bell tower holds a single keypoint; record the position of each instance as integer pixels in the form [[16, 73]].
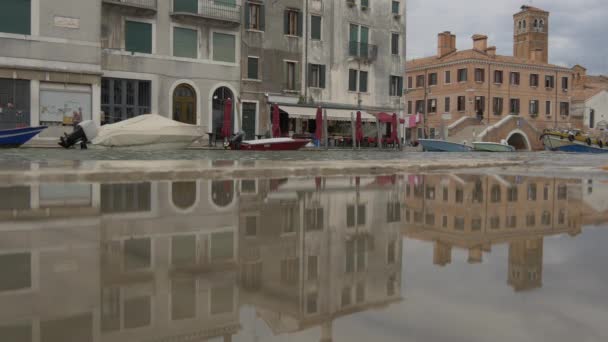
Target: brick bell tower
[[531, 34]]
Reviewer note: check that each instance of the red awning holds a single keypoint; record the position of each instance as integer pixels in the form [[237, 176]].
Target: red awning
[[387, 118]]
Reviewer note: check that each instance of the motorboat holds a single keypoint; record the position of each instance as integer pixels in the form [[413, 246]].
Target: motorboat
[[16, 137], [148, 132], [434, 145], [574, 135], [272, 144], [486, 146], [562, 144]]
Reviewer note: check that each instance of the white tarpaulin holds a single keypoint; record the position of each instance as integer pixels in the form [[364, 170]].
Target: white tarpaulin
[[332, 114]]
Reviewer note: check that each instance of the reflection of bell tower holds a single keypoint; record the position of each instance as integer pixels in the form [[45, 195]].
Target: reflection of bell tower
[[531, 34], [442, 254], [526, 264], [327, 331]]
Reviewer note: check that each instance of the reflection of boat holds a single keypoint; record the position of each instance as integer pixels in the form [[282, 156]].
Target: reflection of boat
[[561, 144], [16, 137], [273, 144], [148, 131], [575, 135], [483, 146], [433, 145]]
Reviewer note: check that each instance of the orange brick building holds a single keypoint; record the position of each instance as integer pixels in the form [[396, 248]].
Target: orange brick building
[[477, 94]]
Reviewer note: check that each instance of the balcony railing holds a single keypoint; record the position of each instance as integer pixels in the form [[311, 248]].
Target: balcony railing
[[362, 51], [143, 4], [216, 10]]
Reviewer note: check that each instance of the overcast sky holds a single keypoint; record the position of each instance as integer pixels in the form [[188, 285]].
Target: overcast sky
[[578, 28]]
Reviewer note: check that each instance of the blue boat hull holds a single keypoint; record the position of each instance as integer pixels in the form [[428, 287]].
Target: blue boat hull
[[431, 145], [576, 148], [18, 136]]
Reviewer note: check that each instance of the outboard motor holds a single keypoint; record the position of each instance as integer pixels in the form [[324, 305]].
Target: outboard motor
[[235, 141], [83, 133]]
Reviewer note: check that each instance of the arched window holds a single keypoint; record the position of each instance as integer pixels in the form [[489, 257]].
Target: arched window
[[524, 24], [535, 23], [542, 24], [222, 192], [184, 104], [183, 194], [220, 96]]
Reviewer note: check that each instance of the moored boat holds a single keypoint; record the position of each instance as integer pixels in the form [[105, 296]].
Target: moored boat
[[560, 144], [273, 144], [484, 146], [16, 137], [434, 145]]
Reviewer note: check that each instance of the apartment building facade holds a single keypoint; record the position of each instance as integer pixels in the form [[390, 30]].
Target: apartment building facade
[[478, 83], [341, 55]]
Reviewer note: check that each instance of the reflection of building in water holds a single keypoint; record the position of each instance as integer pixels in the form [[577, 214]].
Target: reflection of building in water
[[476, 212], [595, 201], [169, 258], [316, 250], [49, 257]]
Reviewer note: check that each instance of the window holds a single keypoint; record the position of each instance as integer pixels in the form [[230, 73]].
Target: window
[[534, 104], [15, 101], [564, 108], [409, 107], [498, 76], [495, 222], [545, 219], [352, 79], [532, 192], [251, 226], [495, 193], [391, 256], [290, 76], [534, 80], [420, 107], [592, 118], [289, 270], [480, 75], [395, 44], [314, 219], [549, 82], [459, 223], [512, 194], [293, 23], [350, 216], [396, 86], [497, 106], [447, 104], [462, 103], [316, 75], [395, 7], [514, 107], [138, 37], [462, 75], [480, 104], [515, 78], [459, 195], [363, 81], [16, 17], [565, 83], [123, 99], [358, 41], [364, 4], [419, 81], [254, 16], [17, 272], [432, 79], [185, 42], [548, 108], [222, 246], [410, 83], [432, 106], [189, 6], [253, 68], [361, 214], [313, 267], [393, 212], [224, 46], [137, 254], [315, 27], [562, 192], [511, 221], [448, 77]]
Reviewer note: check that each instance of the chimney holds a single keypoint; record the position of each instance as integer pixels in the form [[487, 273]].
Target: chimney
[[446, 43], [491, 51], [537, 55], [480, 42]]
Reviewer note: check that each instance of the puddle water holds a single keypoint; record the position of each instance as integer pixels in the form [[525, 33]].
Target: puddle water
[[436, 257]]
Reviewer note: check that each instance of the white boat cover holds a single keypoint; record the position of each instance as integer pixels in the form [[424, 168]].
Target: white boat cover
[[268, 141], [149, 130]]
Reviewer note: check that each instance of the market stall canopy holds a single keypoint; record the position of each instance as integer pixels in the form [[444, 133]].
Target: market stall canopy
[[332, 114], [387, 118]]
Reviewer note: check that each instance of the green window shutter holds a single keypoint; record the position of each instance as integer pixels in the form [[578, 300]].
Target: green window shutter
[[365, 3], [185, 43], [352, 80], [15, 16], [300, 24], [363, 81], [308, 73], [224, 47], [262, 18], [190, 6], [399, 86], [252, 68], [286, 22], [138, 37], [228, 3], [315, 27], [247, 14], [298, 77], [322, 77]]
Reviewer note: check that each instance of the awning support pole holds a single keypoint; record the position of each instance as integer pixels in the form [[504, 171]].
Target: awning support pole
[[325, 129], [379, 133], [352, 129]]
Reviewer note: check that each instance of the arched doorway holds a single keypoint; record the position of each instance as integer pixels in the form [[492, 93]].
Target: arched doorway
[[184, 104], [519, 141], [220, 96], [183, 194], [222, 193]]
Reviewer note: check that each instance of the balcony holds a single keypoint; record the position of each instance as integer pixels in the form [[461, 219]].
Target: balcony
[[143, 7], [362, 51], [216, 12]]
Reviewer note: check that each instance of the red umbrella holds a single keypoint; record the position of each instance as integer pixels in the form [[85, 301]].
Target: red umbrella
[[227, 124], [276, 121], [395, 128], [319, 123], [359, 128]]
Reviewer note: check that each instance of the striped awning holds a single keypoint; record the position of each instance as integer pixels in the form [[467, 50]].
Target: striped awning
[[332, 114]]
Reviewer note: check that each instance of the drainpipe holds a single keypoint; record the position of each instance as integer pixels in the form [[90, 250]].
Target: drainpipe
[[489, 93], [306, 35], [426, 109], [556, 102]]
